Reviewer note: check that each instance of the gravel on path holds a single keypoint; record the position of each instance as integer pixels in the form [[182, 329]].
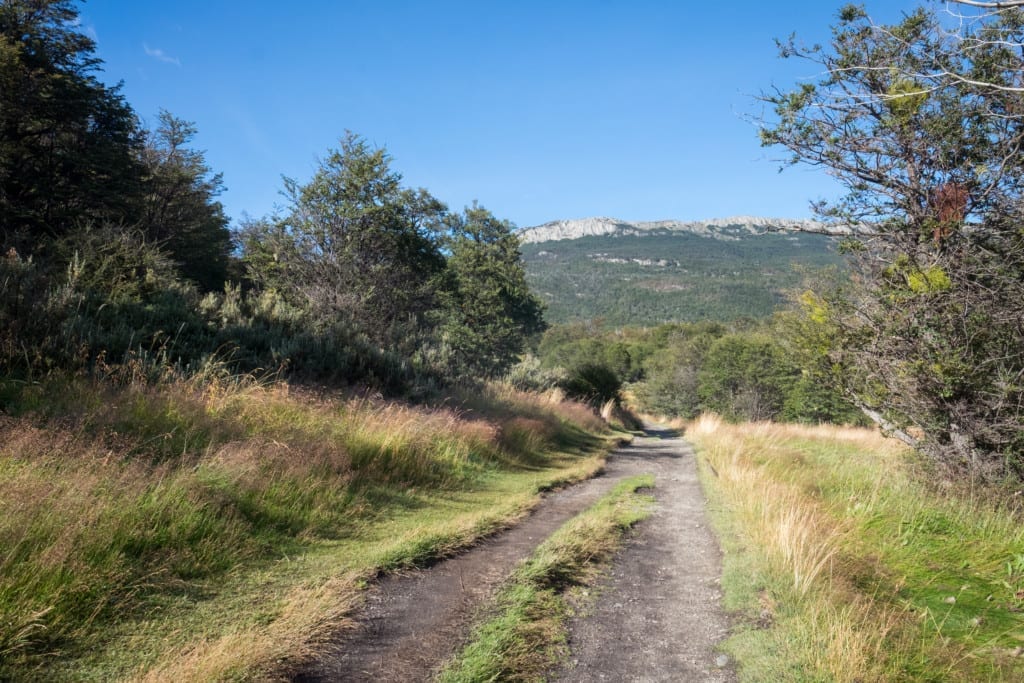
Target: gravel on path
[[657, 615]]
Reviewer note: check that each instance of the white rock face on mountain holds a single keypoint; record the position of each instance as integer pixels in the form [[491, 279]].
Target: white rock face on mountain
[[722, 228], [573, 229]]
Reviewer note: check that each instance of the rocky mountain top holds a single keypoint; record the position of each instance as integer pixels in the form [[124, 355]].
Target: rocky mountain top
[[721, 228]]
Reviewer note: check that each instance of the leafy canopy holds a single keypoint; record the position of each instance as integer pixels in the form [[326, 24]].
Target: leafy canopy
[[923, 123]]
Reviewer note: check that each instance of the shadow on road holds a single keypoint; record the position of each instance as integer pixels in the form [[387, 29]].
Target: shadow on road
[[659, 443], [660, 432]]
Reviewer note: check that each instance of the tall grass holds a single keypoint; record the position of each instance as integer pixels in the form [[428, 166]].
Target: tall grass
[[120, 502], [851, 567]]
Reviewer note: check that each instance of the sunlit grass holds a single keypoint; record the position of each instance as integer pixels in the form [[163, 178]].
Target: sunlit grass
[[850, 568], [201, 532]]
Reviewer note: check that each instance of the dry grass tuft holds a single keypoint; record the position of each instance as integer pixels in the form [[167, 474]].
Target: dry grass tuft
[[800, 540], [856, 559], [308, 616]]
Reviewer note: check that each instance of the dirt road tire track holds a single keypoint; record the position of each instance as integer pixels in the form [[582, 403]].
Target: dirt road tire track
[[657, 616], [412, 623]]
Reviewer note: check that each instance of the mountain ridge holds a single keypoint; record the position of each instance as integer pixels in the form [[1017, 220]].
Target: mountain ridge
[[669, 271], [729, 228]]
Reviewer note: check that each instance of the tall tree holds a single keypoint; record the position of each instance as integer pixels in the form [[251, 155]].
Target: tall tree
[[745, 377], [489, 312], [354, 245], [67, 142], [924, 126], [178, 209]]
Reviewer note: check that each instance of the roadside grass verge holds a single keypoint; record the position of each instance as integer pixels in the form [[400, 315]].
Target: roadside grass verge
[[848, 566], [525, 635], [216, 530]]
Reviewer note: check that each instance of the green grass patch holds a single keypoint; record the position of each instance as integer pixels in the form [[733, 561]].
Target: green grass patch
[[212, 533], [849, 567], [526, 634]]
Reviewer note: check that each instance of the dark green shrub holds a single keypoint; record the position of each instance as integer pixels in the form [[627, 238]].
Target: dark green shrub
[[745, 377], [594, 384]]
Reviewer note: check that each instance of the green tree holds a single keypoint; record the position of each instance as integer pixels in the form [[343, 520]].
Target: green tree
[[593, 383], [178, 209], [670, 383], [488, 311], [68, 143], [570, 344], [923, 125], [353, 245], [671, 374], [808, 337], [745, 377]]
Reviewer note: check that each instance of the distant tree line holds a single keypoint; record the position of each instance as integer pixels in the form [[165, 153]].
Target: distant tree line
[[743, 371], [115, 251]]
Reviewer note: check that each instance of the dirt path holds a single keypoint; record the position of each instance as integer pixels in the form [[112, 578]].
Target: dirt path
[[412, 623], [657, 615]]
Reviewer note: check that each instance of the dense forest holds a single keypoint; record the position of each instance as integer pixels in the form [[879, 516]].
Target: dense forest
[[743, 371], [673, 276], [116, 250]]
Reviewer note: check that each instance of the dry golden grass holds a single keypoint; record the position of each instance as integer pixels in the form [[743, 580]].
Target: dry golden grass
[[308, 616], [856, 559], [114, 497], [799, 540], [798, 537], [551, 402]]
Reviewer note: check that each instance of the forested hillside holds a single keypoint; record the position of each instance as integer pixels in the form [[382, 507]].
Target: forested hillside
[[666, 276]]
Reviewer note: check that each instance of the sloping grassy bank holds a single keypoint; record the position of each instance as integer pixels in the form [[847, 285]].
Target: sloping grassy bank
[[214, 531], [849, 568]]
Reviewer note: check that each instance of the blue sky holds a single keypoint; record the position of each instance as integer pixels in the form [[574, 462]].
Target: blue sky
[[540, 110]]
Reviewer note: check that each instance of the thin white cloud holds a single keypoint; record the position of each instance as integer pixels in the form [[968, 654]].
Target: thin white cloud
[[161, 56]]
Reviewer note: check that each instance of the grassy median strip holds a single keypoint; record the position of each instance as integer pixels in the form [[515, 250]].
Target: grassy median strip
[[526, 634], [850, 567]]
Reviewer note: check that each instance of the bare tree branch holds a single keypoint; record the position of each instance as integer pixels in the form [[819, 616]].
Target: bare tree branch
[[991, 5]]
